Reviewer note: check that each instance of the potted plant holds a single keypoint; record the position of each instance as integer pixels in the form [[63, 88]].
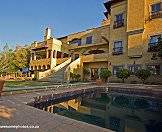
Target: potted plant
[[123, 74], [105, 74]]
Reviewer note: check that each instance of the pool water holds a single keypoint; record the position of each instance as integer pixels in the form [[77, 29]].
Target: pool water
[[123, 113]]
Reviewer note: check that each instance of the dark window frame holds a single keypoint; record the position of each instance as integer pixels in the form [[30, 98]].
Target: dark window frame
[[153, 46], [134, 67], [76, 42], [119, 20], [89, 40], [117, 50], [156, 10], [118, 68]]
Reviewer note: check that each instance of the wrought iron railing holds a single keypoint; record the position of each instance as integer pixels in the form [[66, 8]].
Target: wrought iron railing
[[119, 23], [117, 51]]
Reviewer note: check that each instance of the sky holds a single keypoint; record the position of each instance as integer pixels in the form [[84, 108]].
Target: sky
[[24, 21]]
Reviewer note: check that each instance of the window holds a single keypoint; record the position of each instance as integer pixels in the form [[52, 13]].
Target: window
[[35, 68], [155, 69], [118, 47], [39, 67], [155, 8], [154, 40], [119, 22], [89, 40], [134, 68], [76, 42], [116, 69], [119, 17]]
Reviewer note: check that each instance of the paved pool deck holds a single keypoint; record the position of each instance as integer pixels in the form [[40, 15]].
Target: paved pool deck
[[18, 113]]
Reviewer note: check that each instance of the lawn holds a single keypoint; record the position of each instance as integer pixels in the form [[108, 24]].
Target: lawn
[[9, 85]]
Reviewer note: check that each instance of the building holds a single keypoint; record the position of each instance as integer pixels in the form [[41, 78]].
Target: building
[[128, 38]]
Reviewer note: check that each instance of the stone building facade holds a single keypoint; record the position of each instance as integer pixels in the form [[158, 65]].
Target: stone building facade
[[128, 38]]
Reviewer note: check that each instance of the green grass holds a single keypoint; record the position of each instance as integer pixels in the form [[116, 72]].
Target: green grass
[[24, 83], [9, 85]]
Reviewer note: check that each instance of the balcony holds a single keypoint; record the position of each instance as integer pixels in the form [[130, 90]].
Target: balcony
[[39, 46], [155, 15], [153, 47], [95, 57], [118, 24], [88, 45], [117, 51]]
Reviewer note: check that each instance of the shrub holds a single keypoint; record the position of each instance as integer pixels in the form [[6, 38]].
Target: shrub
[[105, 74], [75, 77], [123, 74], [86, 71], [143, 74]]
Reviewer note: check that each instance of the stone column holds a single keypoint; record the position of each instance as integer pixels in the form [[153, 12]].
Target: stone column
[[31, 58], [55, 54], [35, 56], [51, 54]]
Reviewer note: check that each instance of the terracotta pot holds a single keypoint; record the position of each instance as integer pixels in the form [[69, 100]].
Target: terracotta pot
[[99, 81], [1, 86]]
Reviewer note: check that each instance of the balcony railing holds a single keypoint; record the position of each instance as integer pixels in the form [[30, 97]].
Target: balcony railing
[[118, 24], [117, 51], [38, 46], [95, 57], [156, 15]]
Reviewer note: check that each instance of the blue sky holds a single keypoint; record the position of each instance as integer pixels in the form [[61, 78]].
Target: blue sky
[[23, 21]]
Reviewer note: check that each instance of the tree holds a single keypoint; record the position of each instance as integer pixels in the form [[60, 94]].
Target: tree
[[6, 60], [143, 74], [12, 61], [123, 74], [105, 74], [22, 57]]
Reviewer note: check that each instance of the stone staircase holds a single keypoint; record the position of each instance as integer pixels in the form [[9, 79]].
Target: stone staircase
[[58, 77], [61, 73]]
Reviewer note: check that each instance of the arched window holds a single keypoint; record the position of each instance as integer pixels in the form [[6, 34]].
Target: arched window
[[35, 68], [44, 67], [39, 67], [48, 66]]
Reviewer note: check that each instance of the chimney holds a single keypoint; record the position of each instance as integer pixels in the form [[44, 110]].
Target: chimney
[[47, 34]]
